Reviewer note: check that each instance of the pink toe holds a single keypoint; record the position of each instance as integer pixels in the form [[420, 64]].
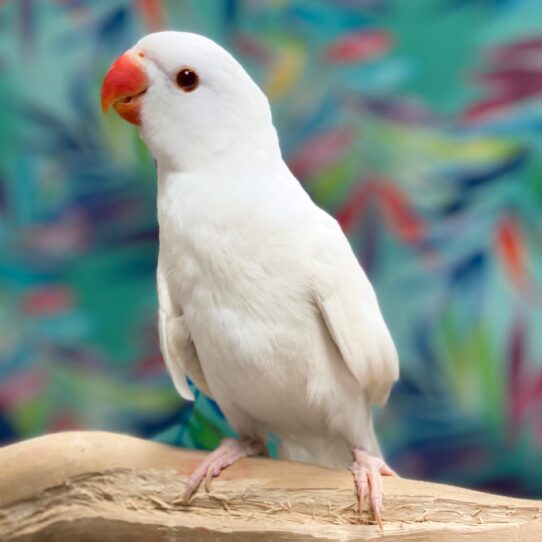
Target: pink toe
[[229, 452]]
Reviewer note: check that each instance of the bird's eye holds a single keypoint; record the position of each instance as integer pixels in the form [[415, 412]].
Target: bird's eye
[[187, 80]]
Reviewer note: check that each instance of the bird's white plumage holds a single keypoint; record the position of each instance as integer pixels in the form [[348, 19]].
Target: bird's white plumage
[[175, 362], [262, 302], [350, 309], [176, 345]]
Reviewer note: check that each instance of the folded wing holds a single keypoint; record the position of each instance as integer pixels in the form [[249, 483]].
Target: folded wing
[[351, 312], [176, 345]]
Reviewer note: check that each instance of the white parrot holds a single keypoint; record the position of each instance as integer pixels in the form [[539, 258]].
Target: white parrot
[[263, 304]]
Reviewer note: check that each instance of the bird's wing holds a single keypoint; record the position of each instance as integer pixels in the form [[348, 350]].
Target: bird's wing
[[351, 313], [176, 345]]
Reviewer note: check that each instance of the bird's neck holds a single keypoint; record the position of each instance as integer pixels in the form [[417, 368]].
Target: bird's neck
[[255, 148]]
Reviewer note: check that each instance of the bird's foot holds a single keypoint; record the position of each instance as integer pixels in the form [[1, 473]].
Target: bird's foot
[[368, 471], [229, 451]]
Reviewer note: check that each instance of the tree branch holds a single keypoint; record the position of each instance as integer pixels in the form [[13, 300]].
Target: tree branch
[[95, 486]]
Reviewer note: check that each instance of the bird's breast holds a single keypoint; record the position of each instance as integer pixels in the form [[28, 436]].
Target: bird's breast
[[240, 285], [243, 285]]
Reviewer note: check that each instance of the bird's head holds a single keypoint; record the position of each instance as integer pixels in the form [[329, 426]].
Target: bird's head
[[191, 99]]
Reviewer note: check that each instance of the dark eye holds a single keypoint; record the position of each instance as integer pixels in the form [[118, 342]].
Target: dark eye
[[187, 80]]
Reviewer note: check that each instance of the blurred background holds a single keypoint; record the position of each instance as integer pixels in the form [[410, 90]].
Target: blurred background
[[417, 123]]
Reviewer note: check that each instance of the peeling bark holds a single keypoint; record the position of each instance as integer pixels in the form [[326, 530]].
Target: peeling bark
[[95, 486]]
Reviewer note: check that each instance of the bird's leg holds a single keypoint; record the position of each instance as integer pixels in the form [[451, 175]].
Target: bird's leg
[[229, 451], [368, 471]]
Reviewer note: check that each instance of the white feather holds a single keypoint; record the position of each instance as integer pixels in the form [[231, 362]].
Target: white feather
[[267, 306], [176, 345], [350, 309]]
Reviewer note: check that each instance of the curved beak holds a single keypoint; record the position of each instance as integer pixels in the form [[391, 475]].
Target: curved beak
[[123, 86]]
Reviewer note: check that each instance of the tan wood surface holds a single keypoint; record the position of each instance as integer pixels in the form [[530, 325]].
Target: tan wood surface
[[97, 486]]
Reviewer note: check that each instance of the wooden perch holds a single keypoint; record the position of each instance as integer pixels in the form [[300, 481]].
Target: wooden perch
[[94, 486]]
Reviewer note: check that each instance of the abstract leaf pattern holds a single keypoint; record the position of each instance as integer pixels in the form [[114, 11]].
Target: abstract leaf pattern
[[417, 124]]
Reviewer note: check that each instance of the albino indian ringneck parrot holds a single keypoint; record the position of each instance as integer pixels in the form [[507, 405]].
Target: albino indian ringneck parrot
[[263, 304]]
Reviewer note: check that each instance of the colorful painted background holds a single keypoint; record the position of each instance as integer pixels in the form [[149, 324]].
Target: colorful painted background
[[417, 123]]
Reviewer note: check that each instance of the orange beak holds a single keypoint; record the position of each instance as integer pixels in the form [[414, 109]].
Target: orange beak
[[123, 86]]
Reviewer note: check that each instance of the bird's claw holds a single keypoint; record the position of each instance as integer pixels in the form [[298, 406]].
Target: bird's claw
[[229, 452], [368, 472], [377, 508]]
